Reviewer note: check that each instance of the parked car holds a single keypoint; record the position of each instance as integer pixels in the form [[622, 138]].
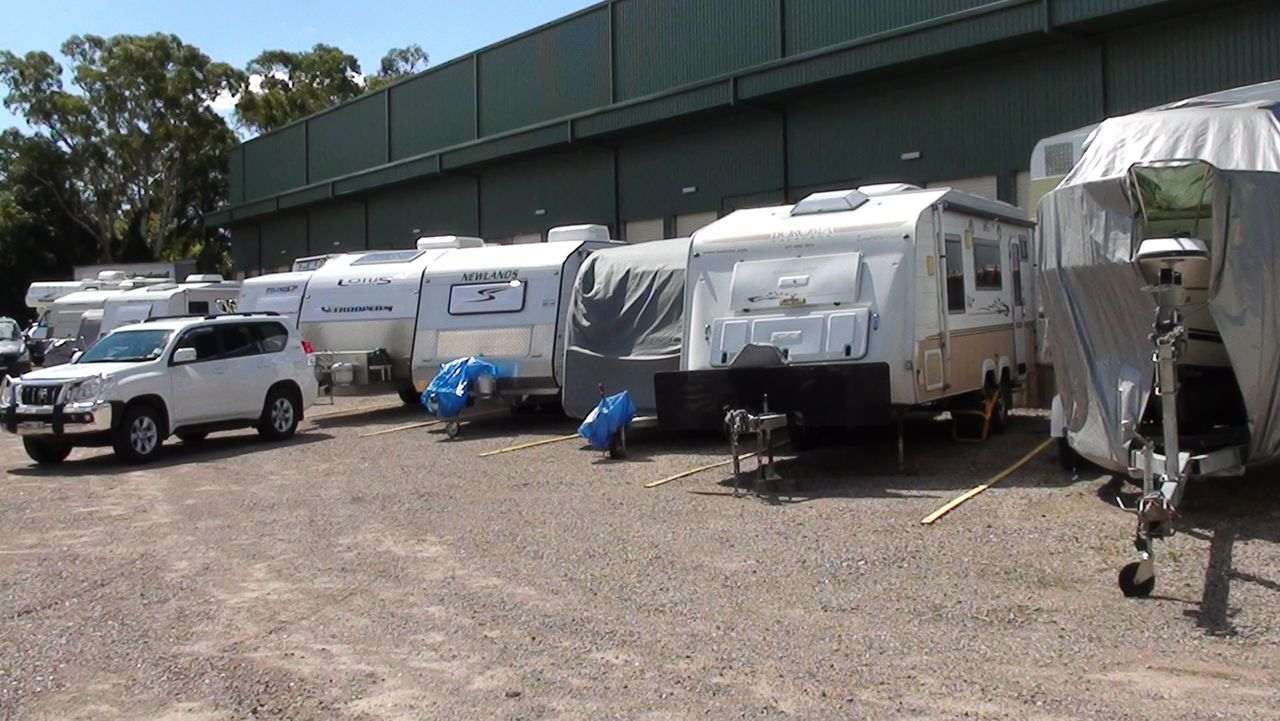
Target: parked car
[[14, 358], [184, 377]]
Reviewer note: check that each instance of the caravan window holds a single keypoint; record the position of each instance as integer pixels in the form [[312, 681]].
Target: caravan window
[[955, 274], [987, 271], [198, 307]]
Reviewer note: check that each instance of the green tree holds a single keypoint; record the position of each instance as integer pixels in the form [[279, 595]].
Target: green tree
[[38, 240], [144, 151], [280, 86], [397, 64]]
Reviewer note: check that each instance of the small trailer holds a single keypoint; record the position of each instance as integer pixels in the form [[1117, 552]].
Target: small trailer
[[625, 324], [359, 310], [197, 295], [507, 305], [852, 307]]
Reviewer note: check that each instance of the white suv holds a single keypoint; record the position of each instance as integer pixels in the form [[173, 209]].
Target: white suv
[[168, 376]]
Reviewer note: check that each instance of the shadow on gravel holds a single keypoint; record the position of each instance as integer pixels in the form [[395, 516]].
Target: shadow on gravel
[[173, 453], [357, 419], [1220, 512], [864, 464]]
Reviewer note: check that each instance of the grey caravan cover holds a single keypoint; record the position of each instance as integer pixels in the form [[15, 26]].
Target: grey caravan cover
[[626, 323], [1098, 315]]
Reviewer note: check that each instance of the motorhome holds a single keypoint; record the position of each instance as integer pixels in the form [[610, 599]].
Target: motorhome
[[358, 310], [197, 295], [851, 307], [625, 324], [1169, 216], [507, 304]]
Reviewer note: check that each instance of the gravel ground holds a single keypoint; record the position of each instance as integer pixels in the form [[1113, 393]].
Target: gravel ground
[[402, 577]]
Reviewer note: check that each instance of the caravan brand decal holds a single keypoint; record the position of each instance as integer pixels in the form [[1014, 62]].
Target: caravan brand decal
[[484, 276], [488, 295], [364, 282], [357, 309], [281, 289]]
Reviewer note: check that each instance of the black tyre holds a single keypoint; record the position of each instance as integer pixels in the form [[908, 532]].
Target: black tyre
[[410, 396], [139, 435], [1067, 456], [191, 437], [46, 451], [280, 414], [1129, 584], [1004, 403]]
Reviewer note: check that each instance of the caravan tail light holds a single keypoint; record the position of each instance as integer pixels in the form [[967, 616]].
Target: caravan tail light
[[307, 347]]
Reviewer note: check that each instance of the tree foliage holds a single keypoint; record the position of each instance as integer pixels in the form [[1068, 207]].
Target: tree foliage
[[144, 152], [283, 86], [397, 64]]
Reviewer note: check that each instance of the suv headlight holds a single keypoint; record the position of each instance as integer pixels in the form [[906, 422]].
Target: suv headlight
[[88, 390]]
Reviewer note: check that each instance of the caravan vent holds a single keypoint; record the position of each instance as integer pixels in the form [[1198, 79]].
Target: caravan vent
[[579, 233], [1059, 158], [449, 241], [203, 278], [887, 189], [836, 201]]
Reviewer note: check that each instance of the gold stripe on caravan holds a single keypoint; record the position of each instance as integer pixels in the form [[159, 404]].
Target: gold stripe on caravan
[[970, 347]]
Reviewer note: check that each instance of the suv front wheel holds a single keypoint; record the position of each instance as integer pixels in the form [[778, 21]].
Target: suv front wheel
[[279, 415], [139, 436], [45, 451]]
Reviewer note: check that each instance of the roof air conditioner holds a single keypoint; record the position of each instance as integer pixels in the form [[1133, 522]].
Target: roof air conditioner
[[579, 233], [449, 241]]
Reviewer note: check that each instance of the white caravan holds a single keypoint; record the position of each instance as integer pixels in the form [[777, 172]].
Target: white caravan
[[197, 295], [359, 309], [41, 294], [507, 304], [851, 307]]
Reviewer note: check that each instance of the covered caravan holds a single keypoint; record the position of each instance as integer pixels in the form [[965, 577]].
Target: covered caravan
[[1204, 170], [506, 304], [626, 322]]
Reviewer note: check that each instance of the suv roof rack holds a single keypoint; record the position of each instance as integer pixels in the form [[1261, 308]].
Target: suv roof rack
[[211, 316]]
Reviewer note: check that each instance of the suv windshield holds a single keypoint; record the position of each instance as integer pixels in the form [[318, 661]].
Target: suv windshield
[[135, 346], [9, 330]]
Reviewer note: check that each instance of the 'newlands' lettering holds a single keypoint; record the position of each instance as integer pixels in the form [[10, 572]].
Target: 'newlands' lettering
[[481, 276]]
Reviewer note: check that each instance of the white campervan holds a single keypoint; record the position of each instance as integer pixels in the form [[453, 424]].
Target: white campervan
[[507, 304], [197, 295], [853, 306]]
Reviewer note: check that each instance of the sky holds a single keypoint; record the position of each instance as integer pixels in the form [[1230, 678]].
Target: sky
[[234, 31]]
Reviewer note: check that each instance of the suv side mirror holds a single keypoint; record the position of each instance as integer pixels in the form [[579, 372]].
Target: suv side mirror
[[75, 357], [40, 333], [184, 355]]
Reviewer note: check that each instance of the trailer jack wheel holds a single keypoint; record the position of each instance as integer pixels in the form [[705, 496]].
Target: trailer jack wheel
[[452, 429], [1138, 579], [617, 446]]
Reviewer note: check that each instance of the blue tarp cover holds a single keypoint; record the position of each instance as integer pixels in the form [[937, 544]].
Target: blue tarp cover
[[607, 419], [446, 397]]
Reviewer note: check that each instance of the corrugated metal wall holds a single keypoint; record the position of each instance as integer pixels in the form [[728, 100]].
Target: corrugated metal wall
[[534, 195], [398, 217], [351, 138], [275, 163], [1193, 55], [812, 24], [246, 249], [434, 111], [662, 44], [696, 167], [967, 120], [337, 228], [559, 71], [284, 239]]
